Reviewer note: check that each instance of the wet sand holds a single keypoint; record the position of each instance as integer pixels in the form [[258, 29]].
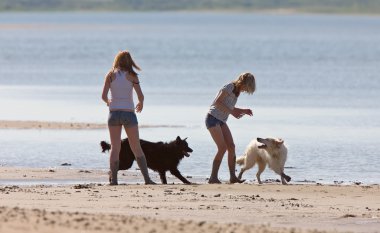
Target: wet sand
[[4, 124], [8, 124], [40, 200]]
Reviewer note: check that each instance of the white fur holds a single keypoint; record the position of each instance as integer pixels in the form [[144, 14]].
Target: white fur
[[274, 155]]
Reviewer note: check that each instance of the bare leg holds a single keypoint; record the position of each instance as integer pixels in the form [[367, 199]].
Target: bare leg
[[231, 153], [217, 136], [134, 143], [115, 134]]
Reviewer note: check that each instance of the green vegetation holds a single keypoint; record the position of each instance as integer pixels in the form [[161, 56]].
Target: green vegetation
[[317, 6]]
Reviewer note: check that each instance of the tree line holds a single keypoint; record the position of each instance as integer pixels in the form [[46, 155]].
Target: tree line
[[317, 6]]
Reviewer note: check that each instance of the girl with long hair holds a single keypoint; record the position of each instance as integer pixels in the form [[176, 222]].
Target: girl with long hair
[[121, 80]]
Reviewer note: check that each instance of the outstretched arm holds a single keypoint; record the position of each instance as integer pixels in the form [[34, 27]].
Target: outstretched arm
[[236, 112]]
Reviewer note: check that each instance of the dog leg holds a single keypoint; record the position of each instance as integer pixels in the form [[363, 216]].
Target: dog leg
[[163, 177], [242, 170], [178, 174], [283, 181], [110, 176], [259, 171], [285, 177]]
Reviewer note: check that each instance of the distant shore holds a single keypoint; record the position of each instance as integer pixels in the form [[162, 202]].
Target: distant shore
[[294, 6], [278, 11], [98, 207], [8, 124]]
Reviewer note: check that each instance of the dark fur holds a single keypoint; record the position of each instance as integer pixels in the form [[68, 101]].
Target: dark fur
[[161, 157]]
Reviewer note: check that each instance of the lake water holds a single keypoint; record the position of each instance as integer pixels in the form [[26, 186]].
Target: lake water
[[317, 86]]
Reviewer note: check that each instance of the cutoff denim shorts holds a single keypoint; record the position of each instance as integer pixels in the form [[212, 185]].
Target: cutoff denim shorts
[[128, 119], [211, 121]]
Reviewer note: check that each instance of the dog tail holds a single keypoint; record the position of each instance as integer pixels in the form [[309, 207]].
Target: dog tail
[[105, 146], [240, 160]]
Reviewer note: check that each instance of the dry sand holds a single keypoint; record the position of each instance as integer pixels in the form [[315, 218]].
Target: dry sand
[[98, 207]]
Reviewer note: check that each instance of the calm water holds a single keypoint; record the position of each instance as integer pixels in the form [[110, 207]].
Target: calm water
[[317, 76]]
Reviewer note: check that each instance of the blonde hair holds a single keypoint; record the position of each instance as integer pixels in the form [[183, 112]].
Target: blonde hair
[[123, 61], [247, 81]]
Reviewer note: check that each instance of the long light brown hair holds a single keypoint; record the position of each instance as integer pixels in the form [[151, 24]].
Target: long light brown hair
[[245, 82], [123, 61]]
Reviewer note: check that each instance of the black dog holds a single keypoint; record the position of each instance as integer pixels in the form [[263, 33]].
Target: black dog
[[160, 156]]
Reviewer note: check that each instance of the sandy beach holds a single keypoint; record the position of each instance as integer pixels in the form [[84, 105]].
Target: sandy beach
[[316, 89], [72, 200]]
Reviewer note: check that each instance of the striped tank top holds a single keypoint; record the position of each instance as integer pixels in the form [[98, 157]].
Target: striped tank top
[[229, 101]]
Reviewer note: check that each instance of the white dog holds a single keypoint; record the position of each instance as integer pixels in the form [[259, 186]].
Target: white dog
[[271, 151]]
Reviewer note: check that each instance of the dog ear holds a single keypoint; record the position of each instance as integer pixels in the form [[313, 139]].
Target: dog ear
[[279, 142], [178, 140], [185, 139]]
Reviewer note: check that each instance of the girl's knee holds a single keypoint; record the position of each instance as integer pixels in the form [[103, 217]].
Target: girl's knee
[[222, 150], [231, 147], [137, 151], [139, 155]]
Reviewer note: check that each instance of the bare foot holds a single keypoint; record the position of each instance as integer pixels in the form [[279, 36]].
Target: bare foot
[[113, 182], [214, 181]]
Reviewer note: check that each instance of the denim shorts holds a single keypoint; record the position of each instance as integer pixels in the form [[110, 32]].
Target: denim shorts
[[211, 121], [128, 119]]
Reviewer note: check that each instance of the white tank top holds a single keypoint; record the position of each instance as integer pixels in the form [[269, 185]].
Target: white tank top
[[121, 92]]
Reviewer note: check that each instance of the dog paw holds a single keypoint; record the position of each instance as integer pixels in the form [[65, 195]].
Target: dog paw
[[150, 182], [236, 180]]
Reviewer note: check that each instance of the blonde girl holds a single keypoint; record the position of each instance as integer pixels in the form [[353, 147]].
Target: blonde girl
[[216, 122], [122, 79]]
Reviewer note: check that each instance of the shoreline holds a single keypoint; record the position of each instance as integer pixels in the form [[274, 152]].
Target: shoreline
[[89, 207], [67, 175], [19, 124]]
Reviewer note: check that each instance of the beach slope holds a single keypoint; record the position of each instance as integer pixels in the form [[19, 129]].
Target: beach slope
[[98, 207]]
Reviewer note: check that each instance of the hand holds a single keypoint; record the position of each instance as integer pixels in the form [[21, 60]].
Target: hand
[[248, 112], [108, 102], [239, 112], [139, 106]]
